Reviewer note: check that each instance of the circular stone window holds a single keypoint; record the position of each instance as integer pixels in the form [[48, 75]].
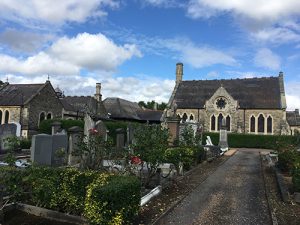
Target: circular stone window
[[221, 103]]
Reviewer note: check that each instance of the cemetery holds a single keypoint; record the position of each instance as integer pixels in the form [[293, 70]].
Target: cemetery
[[107, 172]]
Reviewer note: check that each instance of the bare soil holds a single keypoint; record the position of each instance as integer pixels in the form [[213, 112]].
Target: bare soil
[[285, 213]]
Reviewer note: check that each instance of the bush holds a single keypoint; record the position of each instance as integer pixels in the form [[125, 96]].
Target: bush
[[296, 179], [113, 200], [46, 125], [287, 160], [101, 197], [274, 142], [25, 143]]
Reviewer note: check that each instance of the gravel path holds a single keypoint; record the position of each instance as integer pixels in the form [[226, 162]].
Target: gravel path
[[233, 194]]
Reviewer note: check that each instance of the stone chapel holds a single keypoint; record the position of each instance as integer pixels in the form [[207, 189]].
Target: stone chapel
[[250, 105]]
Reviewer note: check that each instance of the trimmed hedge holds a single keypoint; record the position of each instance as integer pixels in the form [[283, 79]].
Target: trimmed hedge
[[46, 125], [274, 142], [296, 179], [100, 197]]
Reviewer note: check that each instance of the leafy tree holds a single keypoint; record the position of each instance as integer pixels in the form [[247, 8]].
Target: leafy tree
[[150, 143], [150, 105]]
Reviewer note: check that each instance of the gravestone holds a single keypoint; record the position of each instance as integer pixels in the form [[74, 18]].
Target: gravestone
[[101, 128], [59, 149], [50, 150], [75, 135], [120, 138], [6, 130], [41, 149], [130, 134], [89, 123], [223, 141]]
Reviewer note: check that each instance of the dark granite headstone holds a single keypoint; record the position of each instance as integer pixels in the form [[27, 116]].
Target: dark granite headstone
[[120, 138]]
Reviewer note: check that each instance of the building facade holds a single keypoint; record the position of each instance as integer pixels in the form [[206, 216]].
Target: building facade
[[251, 105], [28, 105]]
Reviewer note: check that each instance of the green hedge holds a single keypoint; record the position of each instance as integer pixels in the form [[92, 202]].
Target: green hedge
[[296, 179], [46, 125], [100, 197], [112, 126], [256, 141]]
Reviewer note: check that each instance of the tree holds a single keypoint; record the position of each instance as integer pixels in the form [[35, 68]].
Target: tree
[[150, 143], [150, 105]]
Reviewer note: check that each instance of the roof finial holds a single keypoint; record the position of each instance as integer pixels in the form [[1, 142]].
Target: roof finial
[[48, 78], [6, 79]]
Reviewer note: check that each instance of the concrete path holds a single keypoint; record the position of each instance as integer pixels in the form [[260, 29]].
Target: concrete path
[[233, 194]]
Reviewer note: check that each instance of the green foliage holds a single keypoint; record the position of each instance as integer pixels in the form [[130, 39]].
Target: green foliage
[[256, 141], [101, 197], [112, 200], [13, 145], [151, 141], [25, 143], [45, 125], [150, 105], [112, 126], [296, 179], [287, 160]]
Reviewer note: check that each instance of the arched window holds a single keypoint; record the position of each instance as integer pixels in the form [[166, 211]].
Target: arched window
[[49, 116], [184, 117], [42, 116], [252, 124], [220, 118], [178, 117], [261, 124], [269, 124], [228, 123], [6, 119], [213, 123], [0, 117], [191, 117]]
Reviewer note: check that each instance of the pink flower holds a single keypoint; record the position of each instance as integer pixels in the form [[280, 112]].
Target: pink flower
[[93, 131], [136, 160]]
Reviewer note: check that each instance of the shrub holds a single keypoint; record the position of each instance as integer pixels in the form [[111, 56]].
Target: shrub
[[25, 143], [113, 200], [287, 160], [296, 179], [274, 142], [103, 198], [45, 125]]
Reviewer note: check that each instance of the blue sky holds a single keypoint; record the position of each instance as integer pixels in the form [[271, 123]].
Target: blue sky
[[132, 46]]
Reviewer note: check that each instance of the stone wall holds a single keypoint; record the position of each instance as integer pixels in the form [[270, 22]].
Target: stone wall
[[46, 101], [238, 123], [14, 113]]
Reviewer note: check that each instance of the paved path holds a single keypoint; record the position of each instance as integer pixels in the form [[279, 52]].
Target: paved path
[[233, 194]]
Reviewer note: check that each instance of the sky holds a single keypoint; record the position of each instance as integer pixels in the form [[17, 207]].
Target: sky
[[132, 47]]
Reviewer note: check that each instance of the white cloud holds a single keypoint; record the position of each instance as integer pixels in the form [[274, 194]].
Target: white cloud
[[24, 41], [92, 51], [143, 88], [292, 95], [68, 56], [199, 56], [163, 3], [265, 58], [276, 35], [260, 10], [53, 11]]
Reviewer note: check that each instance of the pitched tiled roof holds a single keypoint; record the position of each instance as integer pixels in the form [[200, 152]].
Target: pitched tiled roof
[[150, 115], [121, 108], [18, 94], [83, 104], [251, 93], [293, 118]]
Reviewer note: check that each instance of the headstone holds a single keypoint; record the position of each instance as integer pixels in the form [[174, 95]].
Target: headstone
[[75, 134], [59, 149], [18, 131], [41, 149], [101, 128], [50, 150], [89, 124], [173, 126], [223, 142], [6, 130], [120, 138], [130, 134], [56, 127]]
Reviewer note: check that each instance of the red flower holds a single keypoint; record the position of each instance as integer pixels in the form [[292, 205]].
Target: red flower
[[93, 131], [135, 160]]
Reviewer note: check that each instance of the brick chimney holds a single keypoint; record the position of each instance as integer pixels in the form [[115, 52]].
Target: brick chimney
[[179, 72], [98, 95], [282, 91]]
